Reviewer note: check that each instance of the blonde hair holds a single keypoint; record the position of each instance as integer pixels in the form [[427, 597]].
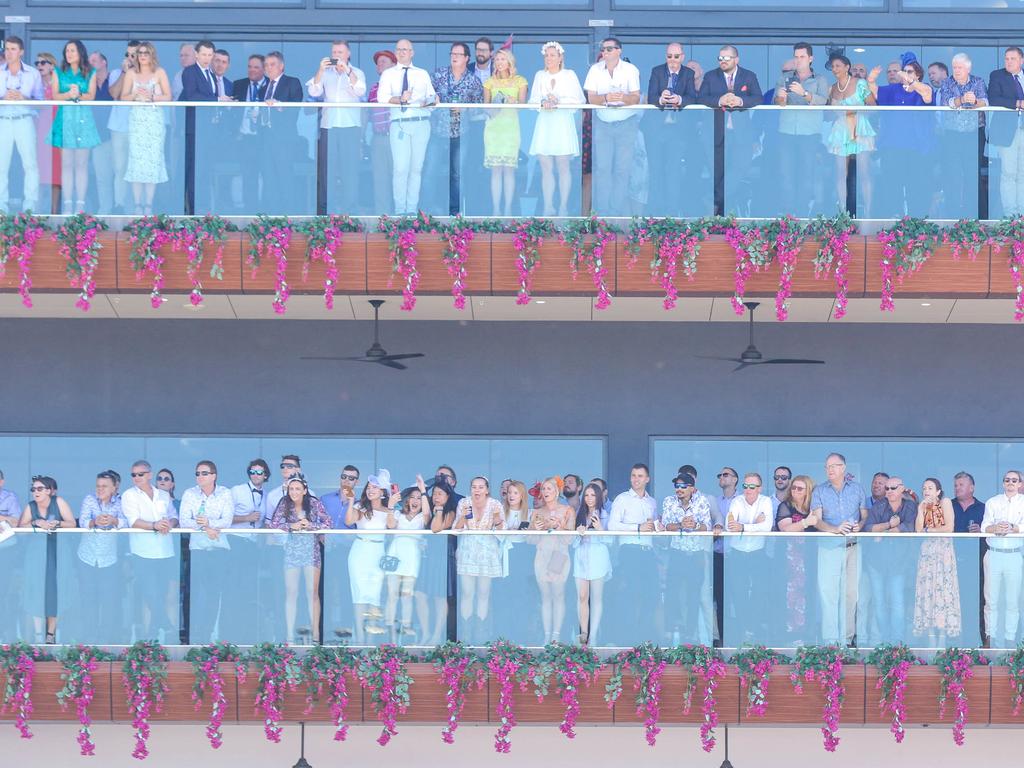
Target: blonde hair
[[511, 62], [151, 50], [524, 504], [558, 48], [809, 485], [48, 57]]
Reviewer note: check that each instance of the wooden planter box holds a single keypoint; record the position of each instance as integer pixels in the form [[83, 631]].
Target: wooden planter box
[[350, 258], [1001, 698], [1000, 280], [48, 271], [787, 706], [427, 699], [941, 276], [45, 684], [922, 698], [594, 710], [178, 704], [294, 708], [434, 278], [553, 274], [673, 688], [175, 269]]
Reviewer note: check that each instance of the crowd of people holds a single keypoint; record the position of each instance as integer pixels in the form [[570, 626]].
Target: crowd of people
[[252, 545], [451, 160]]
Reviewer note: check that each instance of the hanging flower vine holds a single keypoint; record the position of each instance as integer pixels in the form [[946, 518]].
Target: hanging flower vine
[[646, 664], [966, 237], [893, 663], [509, 665], [906, 246], [754, 246], [277, 671], [756, 664], [78, 241], [144, 676], [833, 254], [527, 238], [677, 244], [956, 669], [457, 235], [325, 669], [269, 237], [323, 239], [18, 237], [1009, 234], [191, 237], [383, 672], [209, 683], [707, 664], [825, 665], [79, 666], [1015, 661], [401, 234], [18, 665], [572, 667], [587, 240], [458, 669], [146, 238]]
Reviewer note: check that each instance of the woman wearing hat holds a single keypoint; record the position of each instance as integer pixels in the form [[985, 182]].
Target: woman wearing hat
[[479, 557], [299, 511], [369, 514]]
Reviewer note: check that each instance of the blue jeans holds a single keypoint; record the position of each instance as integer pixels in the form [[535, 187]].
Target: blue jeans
[[888, 595]]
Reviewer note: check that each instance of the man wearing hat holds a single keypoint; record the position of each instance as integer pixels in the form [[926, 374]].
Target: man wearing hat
[[337, 80], [380, 144], [689, 569]]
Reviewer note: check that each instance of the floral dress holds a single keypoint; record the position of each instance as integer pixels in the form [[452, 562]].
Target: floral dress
[[301, 550], [852, 132], [501, 134], [937, 607], [146, 164], [480, 555]]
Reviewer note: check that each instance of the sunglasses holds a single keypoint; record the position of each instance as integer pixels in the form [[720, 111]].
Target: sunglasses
[[607, 48], [37, 488], [781, 477], [673, 55], [288, 465], [353, 478], [893, 487], [41, 62], [256, 472], [751, 486], [1011, 479], [139, 474], [203, 472], [677, 486], [720, 475], [164, 479], [726, 58]]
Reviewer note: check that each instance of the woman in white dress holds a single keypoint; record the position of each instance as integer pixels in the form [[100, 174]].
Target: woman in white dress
[[406, 550], [369, 514], [591, 564], [145, 83], [479, 557], [555, 137], [551, 563]]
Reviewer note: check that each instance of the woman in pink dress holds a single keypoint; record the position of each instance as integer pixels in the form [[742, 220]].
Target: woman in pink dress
[[551, 564]]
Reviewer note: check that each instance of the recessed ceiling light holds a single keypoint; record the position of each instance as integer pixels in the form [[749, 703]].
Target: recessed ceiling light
[[926, 303], [541, 301], [858, 50]]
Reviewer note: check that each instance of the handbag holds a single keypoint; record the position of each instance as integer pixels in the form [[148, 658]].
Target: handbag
[[388, 563]]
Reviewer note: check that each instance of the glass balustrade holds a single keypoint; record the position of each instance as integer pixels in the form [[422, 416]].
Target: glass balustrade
[[500, 160], [415, 588]]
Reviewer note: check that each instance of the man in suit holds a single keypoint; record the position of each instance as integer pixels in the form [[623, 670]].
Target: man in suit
[[730, 88], [668, 134], [198, 84], [282, 147], [1006, 131], [251, 89]]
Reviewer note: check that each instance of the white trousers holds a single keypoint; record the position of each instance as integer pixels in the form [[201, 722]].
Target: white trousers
[[20, 134], [409, 140], [1003, 575], [119, 154]]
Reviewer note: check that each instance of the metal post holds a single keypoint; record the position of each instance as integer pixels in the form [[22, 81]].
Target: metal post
[[321, 171], [983, 212]]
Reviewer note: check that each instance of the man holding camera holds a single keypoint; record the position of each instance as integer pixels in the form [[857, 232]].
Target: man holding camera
[[337, 80], [800, 131]]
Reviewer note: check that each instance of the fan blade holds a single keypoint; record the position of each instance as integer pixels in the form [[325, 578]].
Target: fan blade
[[391, 364], [726, 359], [356, 359], [401, 357], [790, 361]]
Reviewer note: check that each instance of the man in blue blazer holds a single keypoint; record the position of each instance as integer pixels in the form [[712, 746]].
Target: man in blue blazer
[[668, 134], [727, 89], [198, 84], [281, 145], [1006, 130]]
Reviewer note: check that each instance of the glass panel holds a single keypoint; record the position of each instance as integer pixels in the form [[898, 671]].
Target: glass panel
[[405, 458], [680, 162], [22, 593], [61, 458], [322, 459], [838, 4], [532, 460], [180, 454]]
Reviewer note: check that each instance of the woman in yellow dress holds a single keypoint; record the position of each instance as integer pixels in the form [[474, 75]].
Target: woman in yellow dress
[[501, 134]]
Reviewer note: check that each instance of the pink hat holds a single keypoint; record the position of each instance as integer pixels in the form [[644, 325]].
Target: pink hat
[[388, 54]]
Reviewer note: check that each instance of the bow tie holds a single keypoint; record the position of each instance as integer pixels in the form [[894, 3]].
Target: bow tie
[[258, 490]]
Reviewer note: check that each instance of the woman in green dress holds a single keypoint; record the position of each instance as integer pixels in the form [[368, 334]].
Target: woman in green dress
[[74, 128], [501, 134]]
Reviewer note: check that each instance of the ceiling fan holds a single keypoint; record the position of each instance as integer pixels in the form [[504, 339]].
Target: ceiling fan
[[376, 353], [752, 355]]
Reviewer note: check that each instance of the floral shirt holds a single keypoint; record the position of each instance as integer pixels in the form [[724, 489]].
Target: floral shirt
[[961, 120], [467, 90], [673, 512]]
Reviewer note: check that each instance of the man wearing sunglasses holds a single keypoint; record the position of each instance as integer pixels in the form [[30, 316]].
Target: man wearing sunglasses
[[18, 83], [725, 89], [250, 506], [886, 562], [749, 513], [1004, 568], [338, 616], [689, 566], [671, 88]]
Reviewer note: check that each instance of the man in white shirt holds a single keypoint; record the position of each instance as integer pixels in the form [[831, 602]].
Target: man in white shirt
[[613, 83], [1004, 568], [207, 507], [250, 506], [337, 80], [688, 511], [17, 123], [156, 568], [637, 593], [749, 513], [409, 88]]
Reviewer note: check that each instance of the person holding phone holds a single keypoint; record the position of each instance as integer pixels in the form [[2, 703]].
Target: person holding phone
[[551, 564], [432, 586], [369, 514], [479, 557], [591, 563], [407, 553]]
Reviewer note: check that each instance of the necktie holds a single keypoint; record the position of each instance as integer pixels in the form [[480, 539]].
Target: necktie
[[1018, 86], [220, 85], [405, 83], [213, 85], [272, 90], [728, 80], [672, 80], [254, 89]]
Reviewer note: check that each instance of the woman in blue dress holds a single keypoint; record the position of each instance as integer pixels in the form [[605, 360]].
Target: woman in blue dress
[[74, 128], [852, 133]]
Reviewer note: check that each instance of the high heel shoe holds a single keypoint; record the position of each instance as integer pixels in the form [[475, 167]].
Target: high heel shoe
[[51, 638]]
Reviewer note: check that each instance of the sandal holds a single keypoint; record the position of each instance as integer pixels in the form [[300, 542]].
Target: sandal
[[51, 638]]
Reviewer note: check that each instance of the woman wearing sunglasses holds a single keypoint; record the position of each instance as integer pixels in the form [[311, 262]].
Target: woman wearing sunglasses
[[46, 512]]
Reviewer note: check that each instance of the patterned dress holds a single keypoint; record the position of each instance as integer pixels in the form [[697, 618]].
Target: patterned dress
[[480, 555], [501, 134], [146, 130], [74, 126], [937, 607], [301, 550], [852, 132]]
